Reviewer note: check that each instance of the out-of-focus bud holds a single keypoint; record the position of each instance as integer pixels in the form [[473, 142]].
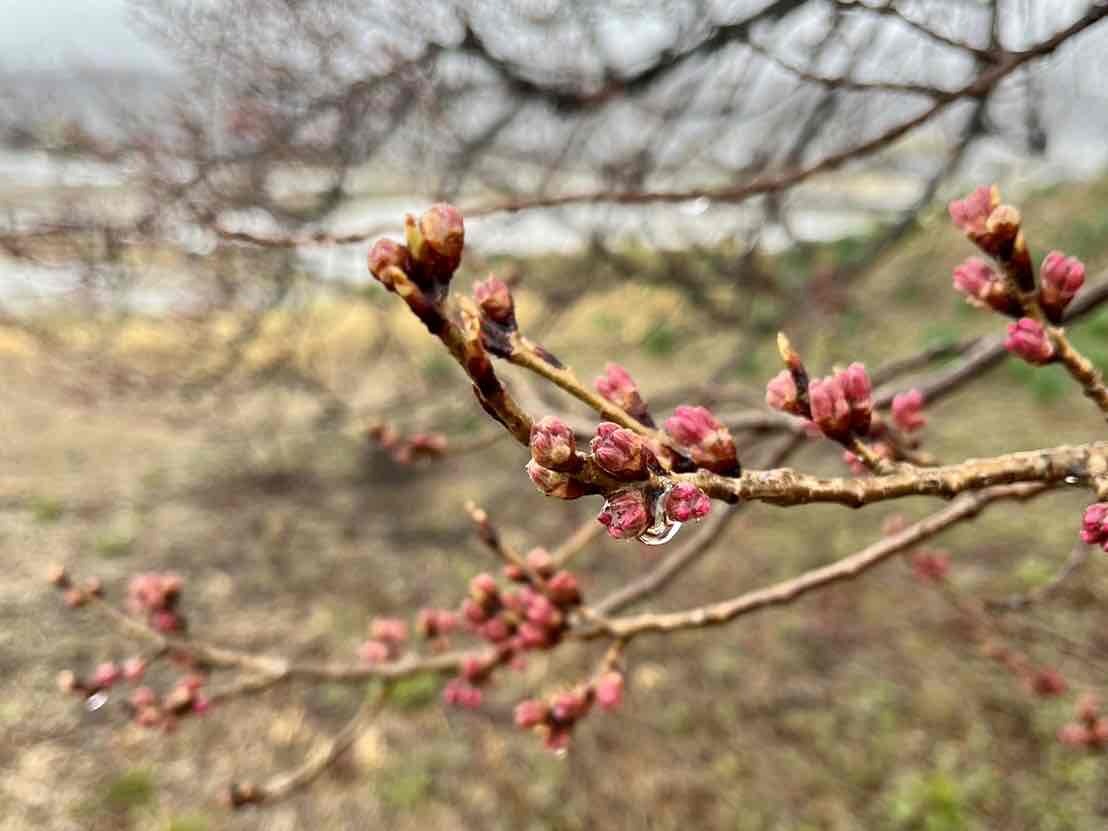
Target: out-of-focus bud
[[709, 442], [858, 392], [540, 562], [553, 445], [569, 706], [971, 213], [686, 502], [388, 629], [621, 452], [461, 694], [1060, 278], [1028, 339], [563, 589], [625, 514], [106, 674], [374, 652], [134, 669], [495, 299], [1087, 708], [483, 588], [830, 409], [56, 575], [387, 254], [617, 386], [67, 681], [552, 483], [931, 566], [609, 690], [781, 393], [435, 623], [1003, 223], [1094, 525], [530, 713], [1048, 683], [443, 230], [1075, 735], [75, 598], [907, 410]]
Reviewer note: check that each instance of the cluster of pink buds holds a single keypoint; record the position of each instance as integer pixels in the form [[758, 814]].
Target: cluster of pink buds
[[621, 452], [628, 514], [386, 640], [708, 441], [157, 596], [407, 449], [431, 255], [184, 699], [930, 566], [1012, 290], [617, 386], [554, 718], [533, 616], [1047, 682], [74, 596], [436, 624], [1094, 525], [840, 405], [1090, 729]]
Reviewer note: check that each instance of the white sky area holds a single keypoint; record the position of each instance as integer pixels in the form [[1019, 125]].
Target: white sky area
[[54, 34]]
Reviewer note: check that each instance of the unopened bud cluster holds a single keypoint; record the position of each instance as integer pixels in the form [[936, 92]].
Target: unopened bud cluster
[[554, 718], [407, 449], [1094, 525], [156, 597], [1011, 287], [1089, 729]]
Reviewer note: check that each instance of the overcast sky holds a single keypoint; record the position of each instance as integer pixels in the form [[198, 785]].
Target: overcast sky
[[57, 33]]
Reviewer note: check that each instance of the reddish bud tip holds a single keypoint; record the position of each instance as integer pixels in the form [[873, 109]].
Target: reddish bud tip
[[686, 502], [971, 213], [530, 713], [781, 393], [374, 652], [495, 299], [388, 254], [621, 452], [931, 566], [907, 410], [1094, 525], [563, 589], [443, 230], [458, 693], [1048, 683], [388, 629], [858, 392], [830, 408], [609, 690], [106, 674], [708, 441], [1061, 277], [1028, 339], [617, 386], [56, 575], [553, 444], [625, 515]]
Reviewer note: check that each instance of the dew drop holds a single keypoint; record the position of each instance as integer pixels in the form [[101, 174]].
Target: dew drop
[[664, 529], [1071, 480], [561, 753], [95, 701]]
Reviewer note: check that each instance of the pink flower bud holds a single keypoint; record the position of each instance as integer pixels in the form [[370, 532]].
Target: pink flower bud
[[460, 694], [686, 501], [858, 392], [907, 411], [1048, 683], [165, 621], [609, 690], [388, 254], [473, 611], [552, 483], [970, 214], [134, 669], [569, 706], [1087, 708], [540, 562], [106, 674], [143, 697], [443, 230], [530, 713], [495, 299], [617, 386], [621, 452], [496, 630], [388, 629], [374, 652], [483, 588], [830, 409], [625, 515], [201, 704], [1061, 277], [67, 681], [542, 612], [781, 393], [535, 636], [1094, 525], [557, 739], [434, 623], [708, 441], [1027, 339], [930, 566], [553, 444], [974, 278], [473, 668], [1075, 735], [563, 589]]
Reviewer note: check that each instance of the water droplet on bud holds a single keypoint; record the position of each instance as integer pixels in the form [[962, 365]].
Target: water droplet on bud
[[663, 529], [95, 701]]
